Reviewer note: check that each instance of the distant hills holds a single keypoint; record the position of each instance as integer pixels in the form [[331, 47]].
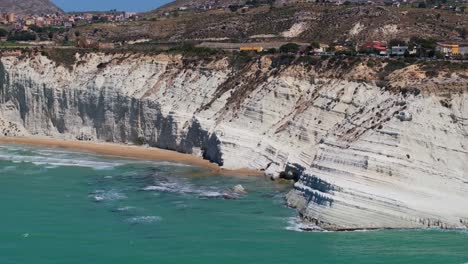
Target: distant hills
[[200, 3], [28, 7]]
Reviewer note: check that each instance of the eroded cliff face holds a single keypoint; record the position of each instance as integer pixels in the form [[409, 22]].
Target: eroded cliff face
[[363, 156]]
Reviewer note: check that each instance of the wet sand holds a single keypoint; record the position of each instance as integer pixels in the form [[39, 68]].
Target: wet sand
[[127, 151]]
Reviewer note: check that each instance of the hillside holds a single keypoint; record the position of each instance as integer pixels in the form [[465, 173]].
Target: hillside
[[299, 22], [28, 7], [199, 4]]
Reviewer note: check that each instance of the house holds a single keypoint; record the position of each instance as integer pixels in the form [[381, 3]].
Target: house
[[337, 2], [88, 16], [399, 50], [463, 49], [29, 22], [361, 2], [341, 48], [67, 24], [322, 48], [128, 15], [11, 18], [448, 49], [120, 17], [378, 46]]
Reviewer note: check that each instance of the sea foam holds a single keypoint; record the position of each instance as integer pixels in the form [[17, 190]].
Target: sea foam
[[100, 195], [144, 219], [294, 224]]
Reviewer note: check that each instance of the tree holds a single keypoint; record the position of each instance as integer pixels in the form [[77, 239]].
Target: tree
[[425, 47], [3, 32], [315, 44], [253, 3], [289, 48], [22, 36], [233, 8], [406, 54], [424, 43], [462, 33], [36, 29], [439, 55], [396, 42]]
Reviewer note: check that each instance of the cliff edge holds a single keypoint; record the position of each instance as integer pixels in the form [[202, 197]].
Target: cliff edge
[[371, 143]]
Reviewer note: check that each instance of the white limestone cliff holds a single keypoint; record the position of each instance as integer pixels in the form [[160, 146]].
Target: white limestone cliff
[[365, 157]]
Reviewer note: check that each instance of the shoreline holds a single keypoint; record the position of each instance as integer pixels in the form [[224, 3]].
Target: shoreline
[[127, 151]]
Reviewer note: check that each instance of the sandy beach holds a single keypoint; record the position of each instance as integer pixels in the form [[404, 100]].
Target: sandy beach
[[126, 151]]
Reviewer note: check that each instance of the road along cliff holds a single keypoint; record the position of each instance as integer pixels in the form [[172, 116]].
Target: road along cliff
[[370, 144]]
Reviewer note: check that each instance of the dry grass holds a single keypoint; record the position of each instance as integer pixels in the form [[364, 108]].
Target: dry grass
[[324, 24]]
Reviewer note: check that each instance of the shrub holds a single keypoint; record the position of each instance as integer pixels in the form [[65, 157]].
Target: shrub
[[432, 73], [289, 48], [396, 42], [308, 60], [240, 59], [140, 141], [233, 8], [189, 49], [270, 51], [370, 63], [393, 65], [64, 57], [315, 44], [285, 59], [422, 5], [22, 36], [3, 32]]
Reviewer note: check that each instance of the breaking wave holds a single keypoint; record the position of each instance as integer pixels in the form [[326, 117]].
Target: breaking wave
[[186, 188], [54, 158], [101, 196], [125, 209], [295, 224], [143, 219]]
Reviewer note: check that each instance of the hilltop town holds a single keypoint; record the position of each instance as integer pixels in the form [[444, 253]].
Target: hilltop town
[[60, 20]]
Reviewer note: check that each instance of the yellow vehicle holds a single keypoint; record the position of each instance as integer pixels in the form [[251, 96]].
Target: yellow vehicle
[[251, 48]]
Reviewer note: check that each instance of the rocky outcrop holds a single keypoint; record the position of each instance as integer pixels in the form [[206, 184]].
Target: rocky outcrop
[[364, 156]]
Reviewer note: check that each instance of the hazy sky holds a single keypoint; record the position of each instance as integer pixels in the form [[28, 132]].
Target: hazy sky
[[123, 5]]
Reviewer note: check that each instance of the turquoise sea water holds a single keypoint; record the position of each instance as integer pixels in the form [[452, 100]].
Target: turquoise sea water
[[64, 207]]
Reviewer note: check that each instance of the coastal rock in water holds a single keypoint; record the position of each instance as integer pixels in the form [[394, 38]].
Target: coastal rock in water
[[239, 189], [356, 165]]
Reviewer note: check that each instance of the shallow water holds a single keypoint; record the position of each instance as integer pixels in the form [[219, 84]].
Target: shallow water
[[64, 207]]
